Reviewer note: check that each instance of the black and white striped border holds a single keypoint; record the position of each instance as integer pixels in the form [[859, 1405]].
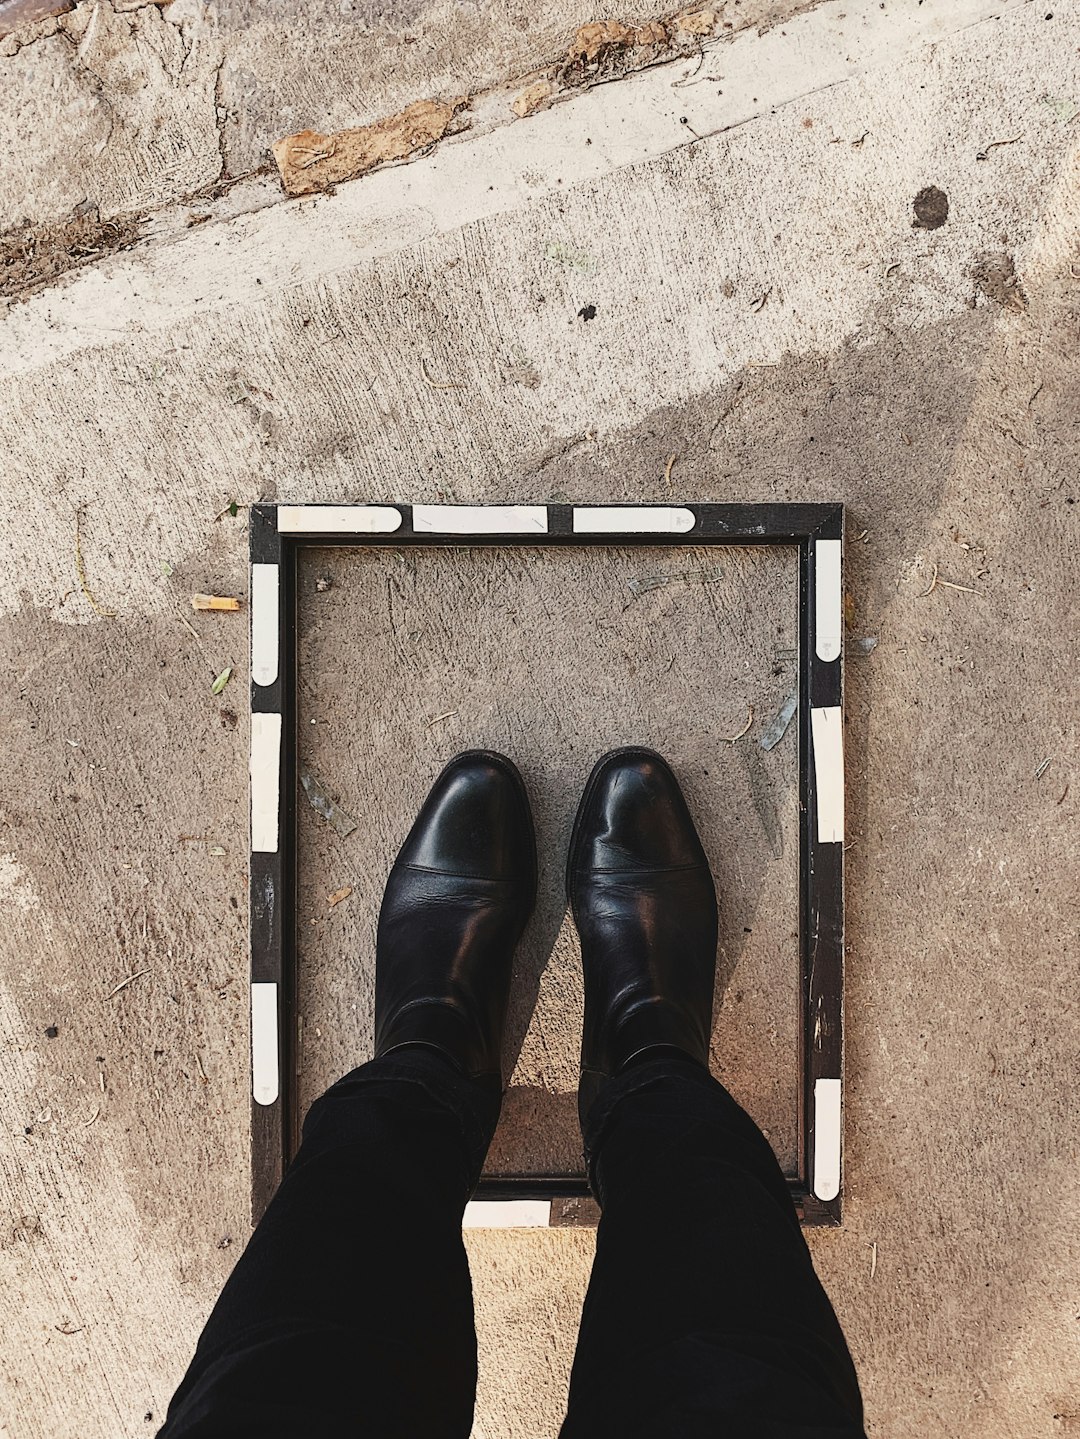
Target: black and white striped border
[[817, 530]]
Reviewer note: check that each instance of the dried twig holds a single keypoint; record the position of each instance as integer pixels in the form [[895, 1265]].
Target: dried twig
[[689, 79], [80, 570], [439, 384], [759, 304], [873, 1259], [439, 718], [746, 727], [87, 1122], [984, 154], [668, 468], [1041, 770], [202, 1072], [936, 583], [125, 982]]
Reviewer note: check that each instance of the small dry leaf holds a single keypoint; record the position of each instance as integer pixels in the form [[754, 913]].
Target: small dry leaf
[[214, 602], [531, 98], [340, 894], [701, 22]]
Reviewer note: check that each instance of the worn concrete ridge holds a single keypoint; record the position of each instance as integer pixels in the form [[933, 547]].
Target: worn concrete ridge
[[175, 154], [500, 164]]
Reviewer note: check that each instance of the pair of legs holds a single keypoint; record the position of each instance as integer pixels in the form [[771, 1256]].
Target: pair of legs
[[350, 1312]]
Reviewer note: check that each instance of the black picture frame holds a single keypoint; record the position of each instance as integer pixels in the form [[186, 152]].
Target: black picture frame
[[278, 531]]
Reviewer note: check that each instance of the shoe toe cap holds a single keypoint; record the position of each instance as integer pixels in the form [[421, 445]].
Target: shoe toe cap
[[475, 821], [634, 816]]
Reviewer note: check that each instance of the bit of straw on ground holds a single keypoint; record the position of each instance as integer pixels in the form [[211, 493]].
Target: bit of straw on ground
[[746, 727], [125, 982], [80, 570]]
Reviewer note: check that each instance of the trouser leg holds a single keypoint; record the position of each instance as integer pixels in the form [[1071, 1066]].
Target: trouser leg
[[704, 1315], [350, 1312]]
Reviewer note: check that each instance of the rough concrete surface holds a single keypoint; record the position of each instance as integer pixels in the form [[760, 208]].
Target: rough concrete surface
[[766, 309]]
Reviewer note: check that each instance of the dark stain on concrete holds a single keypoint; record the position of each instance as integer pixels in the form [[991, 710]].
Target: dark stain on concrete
[[931, 209], [995, 277]]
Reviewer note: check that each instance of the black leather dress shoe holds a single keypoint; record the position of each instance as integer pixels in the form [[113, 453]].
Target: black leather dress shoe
[[457, 901], [644, 903]]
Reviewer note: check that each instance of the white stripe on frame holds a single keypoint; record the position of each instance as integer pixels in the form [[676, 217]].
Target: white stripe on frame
[[338, 519], [265, 782], [827, 1112], [507, 1214], [479, 520], [264, 1042], [264, 624], [827, 733], [636, 520], [828, 614]]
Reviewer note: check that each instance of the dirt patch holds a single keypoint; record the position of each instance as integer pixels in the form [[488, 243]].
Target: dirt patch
[[931, 209], [34, 256], [995, 277]]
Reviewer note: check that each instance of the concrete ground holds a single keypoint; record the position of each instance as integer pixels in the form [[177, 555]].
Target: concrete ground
[[825, 252], [553, 657]]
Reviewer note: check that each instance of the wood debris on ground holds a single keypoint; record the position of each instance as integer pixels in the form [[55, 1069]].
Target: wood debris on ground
[[340, 894], [226, 604], [532, 98], [698, 22], [600, 37], [309, 161]]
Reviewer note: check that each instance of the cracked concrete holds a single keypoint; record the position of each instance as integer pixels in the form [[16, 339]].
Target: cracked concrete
[[109, 107], [764, 308], [374, 77]]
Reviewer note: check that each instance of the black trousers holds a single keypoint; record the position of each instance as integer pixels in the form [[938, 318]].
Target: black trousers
[[350, 1312]]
